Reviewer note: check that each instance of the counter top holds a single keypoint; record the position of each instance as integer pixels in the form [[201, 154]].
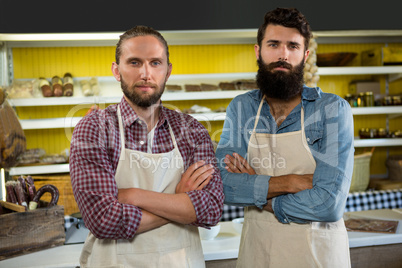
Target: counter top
[[365, 239], [224, 246]]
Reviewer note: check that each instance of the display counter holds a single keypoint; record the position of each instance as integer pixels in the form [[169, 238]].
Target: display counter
[[223, 250]]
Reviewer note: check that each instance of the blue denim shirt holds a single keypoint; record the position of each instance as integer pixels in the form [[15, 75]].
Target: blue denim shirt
[[329, 132]]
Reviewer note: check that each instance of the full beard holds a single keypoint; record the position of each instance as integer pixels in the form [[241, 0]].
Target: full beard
[[142, 100], [279, 84]]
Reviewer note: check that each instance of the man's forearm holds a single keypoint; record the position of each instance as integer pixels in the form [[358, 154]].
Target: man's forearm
[[174, 207], [150, 221], [289, 184]]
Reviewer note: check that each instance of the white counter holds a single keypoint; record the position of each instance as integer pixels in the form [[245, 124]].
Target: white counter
[[224, 246]]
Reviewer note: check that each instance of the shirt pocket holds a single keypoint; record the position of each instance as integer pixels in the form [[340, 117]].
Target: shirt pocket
[[314, 137]]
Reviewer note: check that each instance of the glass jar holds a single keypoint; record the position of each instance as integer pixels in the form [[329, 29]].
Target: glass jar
[[382, 133], [396, 100], [387, 101], [373, 133], [368, 99], [364, 133], [360, 100]]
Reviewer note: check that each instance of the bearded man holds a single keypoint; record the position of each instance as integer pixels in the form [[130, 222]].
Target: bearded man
[[286, 155], [144, 177]]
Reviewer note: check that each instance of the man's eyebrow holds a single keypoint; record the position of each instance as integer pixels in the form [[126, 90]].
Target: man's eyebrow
[[294, 43], [133, 59], [139, 59]]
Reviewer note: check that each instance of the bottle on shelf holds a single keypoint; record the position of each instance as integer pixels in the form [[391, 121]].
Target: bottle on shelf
[[57, 85], [44, 85], [68, 85]]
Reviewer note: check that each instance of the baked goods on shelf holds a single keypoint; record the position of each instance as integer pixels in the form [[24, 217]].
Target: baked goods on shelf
[[173, 88]]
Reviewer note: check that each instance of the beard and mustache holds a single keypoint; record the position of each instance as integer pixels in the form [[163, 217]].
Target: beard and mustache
[[279, 84], [142, 100]]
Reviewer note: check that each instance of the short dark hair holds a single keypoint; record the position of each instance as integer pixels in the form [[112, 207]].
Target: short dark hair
[[287, 17], [140, 31]]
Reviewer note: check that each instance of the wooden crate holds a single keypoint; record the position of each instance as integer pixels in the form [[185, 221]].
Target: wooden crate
[[63, 183], [26, 232]]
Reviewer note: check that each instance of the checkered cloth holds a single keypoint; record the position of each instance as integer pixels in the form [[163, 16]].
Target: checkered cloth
[[69, 221], [374, 200], [356, 202], [232, 212]]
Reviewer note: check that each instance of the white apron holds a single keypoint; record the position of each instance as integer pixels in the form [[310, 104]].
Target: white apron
[[266, 242], [171, 245]]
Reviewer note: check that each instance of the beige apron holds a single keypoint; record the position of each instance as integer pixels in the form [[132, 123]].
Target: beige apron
[[172, 245], [266, 242]]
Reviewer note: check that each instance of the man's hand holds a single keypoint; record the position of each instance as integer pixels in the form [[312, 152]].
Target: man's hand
[[268, 206], [237, 164], [93, 107], [196, 177]]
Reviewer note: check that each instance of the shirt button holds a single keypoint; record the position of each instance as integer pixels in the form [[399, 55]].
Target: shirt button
[[308, 139], [142, 142]]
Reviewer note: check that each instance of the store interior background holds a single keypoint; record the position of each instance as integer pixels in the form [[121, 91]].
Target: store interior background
[[201, 58]]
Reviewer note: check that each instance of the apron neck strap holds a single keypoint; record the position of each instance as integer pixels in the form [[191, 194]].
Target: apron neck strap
[[121, 129], [257, 117]]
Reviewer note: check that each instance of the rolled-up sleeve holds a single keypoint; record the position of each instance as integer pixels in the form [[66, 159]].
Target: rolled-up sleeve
[[94, 185], [333, 154]]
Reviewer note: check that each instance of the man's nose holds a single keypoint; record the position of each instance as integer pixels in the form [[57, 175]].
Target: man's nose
[[283, 53], [144, 72]]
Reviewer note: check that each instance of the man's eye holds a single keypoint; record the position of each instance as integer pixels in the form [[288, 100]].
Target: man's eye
[[156, 63]]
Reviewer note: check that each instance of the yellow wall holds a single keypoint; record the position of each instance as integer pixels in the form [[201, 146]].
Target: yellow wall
[[186, 59]]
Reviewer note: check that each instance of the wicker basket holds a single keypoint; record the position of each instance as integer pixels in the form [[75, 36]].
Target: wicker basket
[[394, 165], [361, 172]]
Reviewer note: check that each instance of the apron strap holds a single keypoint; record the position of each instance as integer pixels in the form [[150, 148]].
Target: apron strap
[[121, 129], [257, 117]]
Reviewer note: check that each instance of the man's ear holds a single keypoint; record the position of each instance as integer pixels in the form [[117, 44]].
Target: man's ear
[[257, 51], [115, 71], [306, 55], [169, 72]]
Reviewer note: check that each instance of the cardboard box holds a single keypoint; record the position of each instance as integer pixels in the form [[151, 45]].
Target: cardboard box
[[26, 232], [382, 56], [357, 87]]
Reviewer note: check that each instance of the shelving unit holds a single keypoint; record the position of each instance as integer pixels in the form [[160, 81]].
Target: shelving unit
[[113, 93]]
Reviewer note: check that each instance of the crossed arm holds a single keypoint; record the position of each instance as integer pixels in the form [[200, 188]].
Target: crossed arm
[[161, 208], [278, 185]]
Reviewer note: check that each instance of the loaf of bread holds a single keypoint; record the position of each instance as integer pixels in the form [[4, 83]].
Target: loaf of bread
[[208, 87], [173, 87], [191, 88], [227, 86]]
